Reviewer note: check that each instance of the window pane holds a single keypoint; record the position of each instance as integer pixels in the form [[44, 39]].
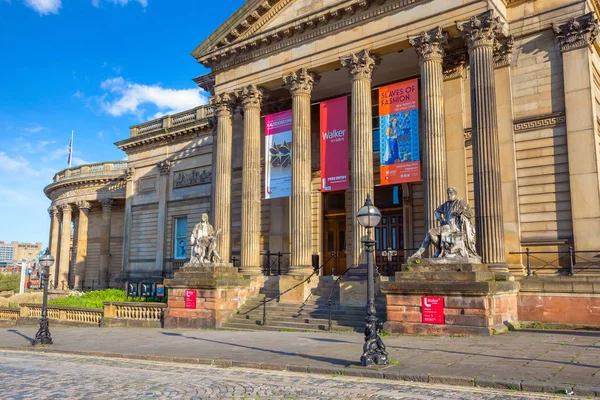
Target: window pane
[[180, 238], [376, 138]]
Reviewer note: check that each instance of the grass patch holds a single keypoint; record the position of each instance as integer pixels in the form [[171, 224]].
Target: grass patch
[[94, 299]]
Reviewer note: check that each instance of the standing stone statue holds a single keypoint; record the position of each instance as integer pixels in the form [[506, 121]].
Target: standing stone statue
[[204, 243], [455, 237]]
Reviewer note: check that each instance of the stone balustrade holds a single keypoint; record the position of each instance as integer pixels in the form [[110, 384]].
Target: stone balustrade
[[91, 170], [78, 315], [170, 121], [9, 315], [147, 315]]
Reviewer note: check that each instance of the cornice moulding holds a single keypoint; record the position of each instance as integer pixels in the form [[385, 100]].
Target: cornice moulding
[[321, 22]]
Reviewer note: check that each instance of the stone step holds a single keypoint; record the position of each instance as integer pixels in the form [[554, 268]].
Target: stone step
[[310, 316], [242, 327], [298, 326], [301, 319]]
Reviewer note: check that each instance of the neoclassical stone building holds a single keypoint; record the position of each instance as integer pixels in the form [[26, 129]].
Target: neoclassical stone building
[[508, 113], [86, 225]]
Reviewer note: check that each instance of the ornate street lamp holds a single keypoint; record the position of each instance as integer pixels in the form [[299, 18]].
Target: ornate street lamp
[[43, 334], [374, 350]]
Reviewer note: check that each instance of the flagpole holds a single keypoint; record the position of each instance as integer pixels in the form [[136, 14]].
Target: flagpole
[[71, 149]]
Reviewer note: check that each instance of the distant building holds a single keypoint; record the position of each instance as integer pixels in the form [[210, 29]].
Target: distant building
[[19, 251], [27, 251], [8, 251]]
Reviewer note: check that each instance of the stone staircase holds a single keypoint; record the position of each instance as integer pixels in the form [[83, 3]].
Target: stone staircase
[[312, 315]]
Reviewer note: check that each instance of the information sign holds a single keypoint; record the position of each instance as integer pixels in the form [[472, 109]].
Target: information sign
[[432, 309], [190, 298]]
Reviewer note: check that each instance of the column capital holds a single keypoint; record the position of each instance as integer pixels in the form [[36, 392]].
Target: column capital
[[251, 96], [577, 33], [129, 173], [224, 104], [163, 167], [454, 65], [301, 82], [361, 65], [429, 45], [52, 210], [502, 51], [481, 30], [83, 205], [106, 204], [65, 208]]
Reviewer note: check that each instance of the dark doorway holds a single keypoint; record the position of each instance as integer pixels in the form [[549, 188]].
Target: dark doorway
[[334, 233], [389, 234]]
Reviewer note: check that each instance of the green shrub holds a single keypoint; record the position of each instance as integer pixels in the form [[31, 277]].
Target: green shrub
[[10, 282], [93, 299]]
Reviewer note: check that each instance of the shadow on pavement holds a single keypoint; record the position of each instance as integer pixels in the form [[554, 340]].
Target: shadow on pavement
[[493, 356], [16, 332], [328, 340], [329, 360]]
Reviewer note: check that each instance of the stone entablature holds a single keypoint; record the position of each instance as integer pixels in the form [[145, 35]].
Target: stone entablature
[[169, 128], [88, 180]]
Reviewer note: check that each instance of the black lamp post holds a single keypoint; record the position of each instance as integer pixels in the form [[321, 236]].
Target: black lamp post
[[374, 350], [43, 334]]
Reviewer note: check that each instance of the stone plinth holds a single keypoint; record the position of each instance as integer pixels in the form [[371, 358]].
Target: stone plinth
[[293, 290], [474, 303], [220, 291]]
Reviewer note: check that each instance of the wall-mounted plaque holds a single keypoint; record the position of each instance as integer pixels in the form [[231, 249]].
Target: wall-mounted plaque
[[191, 177]]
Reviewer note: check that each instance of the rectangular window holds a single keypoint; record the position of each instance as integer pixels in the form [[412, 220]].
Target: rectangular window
[[180, 236]]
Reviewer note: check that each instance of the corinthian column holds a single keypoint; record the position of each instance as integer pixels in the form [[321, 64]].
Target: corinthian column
[[360, 67], [224, 105], [429, 47], [480, 33], [53, 246], [300, 84], [576, 39], [103, 278], [251, 97], [82, 238], [62, 280]]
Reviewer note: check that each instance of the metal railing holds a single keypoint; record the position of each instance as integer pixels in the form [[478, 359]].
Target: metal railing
[[273, 262], [265, 300], [570, 258]]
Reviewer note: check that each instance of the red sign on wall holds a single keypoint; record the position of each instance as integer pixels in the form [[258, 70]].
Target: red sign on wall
[[190, 298], [432, 309]]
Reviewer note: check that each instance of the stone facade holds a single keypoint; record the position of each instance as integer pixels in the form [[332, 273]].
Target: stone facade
[[509, 94]]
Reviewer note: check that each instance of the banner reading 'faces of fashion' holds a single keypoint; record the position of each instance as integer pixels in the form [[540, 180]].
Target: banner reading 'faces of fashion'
[[400, 160], [334, 144], [278, 153]]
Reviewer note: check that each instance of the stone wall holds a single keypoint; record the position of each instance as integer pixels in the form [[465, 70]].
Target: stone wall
[[572, 301]]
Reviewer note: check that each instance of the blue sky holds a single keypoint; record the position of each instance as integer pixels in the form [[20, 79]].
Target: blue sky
[[95, 66]]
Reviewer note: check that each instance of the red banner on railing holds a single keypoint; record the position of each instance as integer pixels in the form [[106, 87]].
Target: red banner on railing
[[334, 144]]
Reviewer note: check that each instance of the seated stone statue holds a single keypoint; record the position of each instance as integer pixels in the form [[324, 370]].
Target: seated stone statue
[[455, 237], [204, 243]]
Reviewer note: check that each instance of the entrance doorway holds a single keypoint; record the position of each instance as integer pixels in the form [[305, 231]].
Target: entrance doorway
[[389, 234], [335, 244], [334, 233]]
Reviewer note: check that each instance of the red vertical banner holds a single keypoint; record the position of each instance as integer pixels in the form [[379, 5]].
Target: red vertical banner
[[334, 144], [400, 160]]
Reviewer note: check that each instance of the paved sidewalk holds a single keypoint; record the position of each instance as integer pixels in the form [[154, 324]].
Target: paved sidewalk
[[557, 361]]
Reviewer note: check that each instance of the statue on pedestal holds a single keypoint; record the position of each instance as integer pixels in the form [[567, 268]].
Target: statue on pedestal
[[204, 243], [455, 237]]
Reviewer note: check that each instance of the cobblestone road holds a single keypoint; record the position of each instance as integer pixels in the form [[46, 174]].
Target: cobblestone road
[[54, 376]]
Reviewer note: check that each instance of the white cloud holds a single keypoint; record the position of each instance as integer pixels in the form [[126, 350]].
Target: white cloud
[[34, 129], [127, 98], [78, 94], [9, 164], [44, 7], [101, 134]]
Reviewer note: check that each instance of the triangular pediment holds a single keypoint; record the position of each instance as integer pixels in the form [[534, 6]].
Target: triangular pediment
[[256, 17]]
